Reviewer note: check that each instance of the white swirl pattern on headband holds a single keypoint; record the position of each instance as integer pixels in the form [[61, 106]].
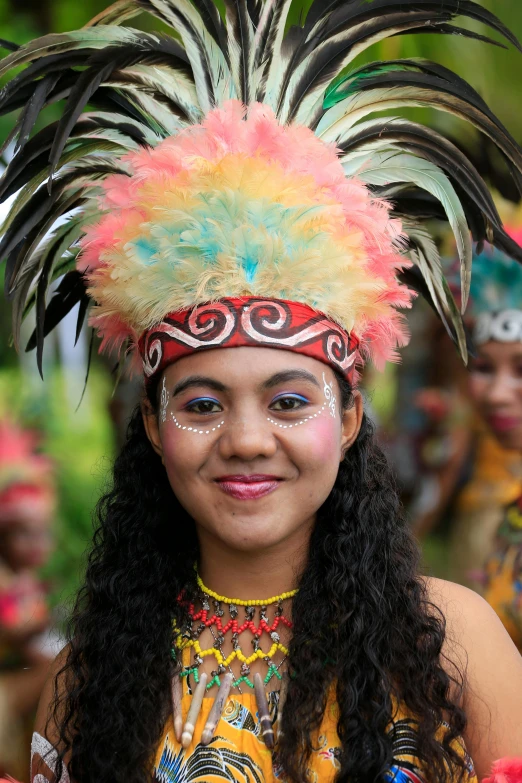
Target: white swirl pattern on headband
[[502, 327]]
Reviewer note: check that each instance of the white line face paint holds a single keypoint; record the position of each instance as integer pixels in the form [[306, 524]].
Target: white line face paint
[[196, 430], [164, 401], [330, 396]]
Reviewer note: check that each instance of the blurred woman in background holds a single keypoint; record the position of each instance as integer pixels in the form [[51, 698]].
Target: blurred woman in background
[[496, 388], [27, 504]]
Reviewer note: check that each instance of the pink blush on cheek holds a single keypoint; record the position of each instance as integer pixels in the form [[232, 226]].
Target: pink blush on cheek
[[321, 437]]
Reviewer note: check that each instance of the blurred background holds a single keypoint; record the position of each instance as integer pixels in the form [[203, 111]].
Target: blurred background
[[454, 477]]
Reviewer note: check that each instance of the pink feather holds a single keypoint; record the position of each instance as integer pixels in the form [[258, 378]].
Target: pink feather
[[507, 770]]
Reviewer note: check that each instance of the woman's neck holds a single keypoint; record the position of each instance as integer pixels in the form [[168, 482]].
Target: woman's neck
[[251, 575]]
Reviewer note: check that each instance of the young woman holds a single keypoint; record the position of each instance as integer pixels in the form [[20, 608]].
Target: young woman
[[496, 387], [253, 608]]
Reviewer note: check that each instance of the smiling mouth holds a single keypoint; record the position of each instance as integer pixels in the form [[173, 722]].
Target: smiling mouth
[[248, 487]]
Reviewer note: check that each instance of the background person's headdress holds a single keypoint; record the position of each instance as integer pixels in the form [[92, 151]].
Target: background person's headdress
[[495, 303], [239, 172], [26, 480]]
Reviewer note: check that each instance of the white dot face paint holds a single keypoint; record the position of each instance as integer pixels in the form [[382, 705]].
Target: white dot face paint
[[300, 422], [329, 394], [164, 402], [195, 429]]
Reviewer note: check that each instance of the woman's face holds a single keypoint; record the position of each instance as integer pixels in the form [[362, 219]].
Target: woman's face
[[496, 386], [251, 439], [26, 544]]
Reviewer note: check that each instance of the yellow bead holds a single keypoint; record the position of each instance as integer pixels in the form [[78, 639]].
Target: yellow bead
[[239, 602]]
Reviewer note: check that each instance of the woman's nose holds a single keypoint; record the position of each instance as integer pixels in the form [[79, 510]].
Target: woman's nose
[[247, 436], [501, 389]]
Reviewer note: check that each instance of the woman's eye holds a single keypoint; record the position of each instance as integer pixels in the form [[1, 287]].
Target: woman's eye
[[289, 403], [204, 406], [482, 368]]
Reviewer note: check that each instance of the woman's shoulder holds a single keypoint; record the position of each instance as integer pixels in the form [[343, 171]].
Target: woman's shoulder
[[452, 598], [472, 626], [478, 644]]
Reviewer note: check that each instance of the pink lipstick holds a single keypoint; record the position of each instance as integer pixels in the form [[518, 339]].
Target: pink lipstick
[[503, 423], [243, 487]]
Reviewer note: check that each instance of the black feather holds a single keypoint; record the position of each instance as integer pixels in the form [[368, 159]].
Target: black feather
[[239, 23], [325, 62], [454, 95], [360, 10], [87, 369], [412, 277], [101, 67], [31, 226], [83, 309], [213, 22], [430, 145], [33, 108], [69, 292], [9, 45]]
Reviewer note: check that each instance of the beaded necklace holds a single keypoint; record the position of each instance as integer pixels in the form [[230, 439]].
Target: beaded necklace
[[224, 675]]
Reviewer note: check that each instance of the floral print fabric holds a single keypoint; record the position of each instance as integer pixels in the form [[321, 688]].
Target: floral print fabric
[[238, 754]]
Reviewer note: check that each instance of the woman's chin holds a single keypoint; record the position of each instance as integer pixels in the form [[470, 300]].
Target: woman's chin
[[511, 440], [251, 535]]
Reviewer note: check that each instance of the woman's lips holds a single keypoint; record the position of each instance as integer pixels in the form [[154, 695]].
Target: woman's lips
[[503, 423], [248, 487]]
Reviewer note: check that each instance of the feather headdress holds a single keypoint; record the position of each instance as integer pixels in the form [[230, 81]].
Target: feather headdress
[[239, 162]]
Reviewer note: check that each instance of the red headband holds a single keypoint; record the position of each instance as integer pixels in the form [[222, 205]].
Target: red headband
[[236, 322]]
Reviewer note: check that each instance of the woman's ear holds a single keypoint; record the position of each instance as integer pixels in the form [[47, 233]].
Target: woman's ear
[[351, 423], [151, 424]]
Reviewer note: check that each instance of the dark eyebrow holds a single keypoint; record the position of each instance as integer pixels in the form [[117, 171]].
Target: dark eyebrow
[[198, 380], [290, 375]]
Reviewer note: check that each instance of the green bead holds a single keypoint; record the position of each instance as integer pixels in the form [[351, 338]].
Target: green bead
[[214, 681], [245, 680], [272, 669]]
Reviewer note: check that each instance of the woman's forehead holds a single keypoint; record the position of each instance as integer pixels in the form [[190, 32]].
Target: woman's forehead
[[247, 366], [500, 351]]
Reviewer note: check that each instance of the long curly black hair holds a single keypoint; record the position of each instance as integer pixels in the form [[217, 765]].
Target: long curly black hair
[[363, 624]]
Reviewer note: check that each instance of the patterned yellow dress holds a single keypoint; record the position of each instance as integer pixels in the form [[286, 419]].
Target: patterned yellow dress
[[237, 752], [504, 572]]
